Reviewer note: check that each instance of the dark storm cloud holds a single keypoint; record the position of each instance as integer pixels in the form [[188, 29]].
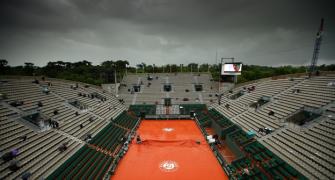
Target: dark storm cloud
[[164, 31]]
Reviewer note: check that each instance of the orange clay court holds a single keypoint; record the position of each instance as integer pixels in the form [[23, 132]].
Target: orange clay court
[[169, 150]]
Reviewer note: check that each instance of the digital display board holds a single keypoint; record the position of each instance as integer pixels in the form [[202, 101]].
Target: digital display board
[[231, 69]]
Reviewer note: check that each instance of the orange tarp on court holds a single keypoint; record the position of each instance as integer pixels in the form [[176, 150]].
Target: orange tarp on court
[[169, 151]]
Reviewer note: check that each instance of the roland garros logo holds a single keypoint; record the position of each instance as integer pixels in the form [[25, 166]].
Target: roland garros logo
[[168, 166], [168, 129]]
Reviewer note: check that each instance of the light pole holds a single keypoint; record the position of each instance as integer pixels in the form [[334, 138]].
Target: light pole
[[115, 80]]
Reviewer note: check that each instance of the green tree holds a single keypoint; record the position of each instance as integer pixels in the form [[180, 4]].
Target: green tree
[[3, 62], [28, 68], [3, 66]]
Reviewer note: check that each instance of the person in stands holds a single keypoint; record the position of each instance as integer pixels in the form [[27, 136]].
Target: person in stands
[[227, 106], [24, 137], [256, 107]]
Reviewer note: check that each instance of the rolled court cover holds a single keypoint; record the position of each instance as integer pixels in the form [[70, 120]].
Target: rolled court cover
[[170, 150]]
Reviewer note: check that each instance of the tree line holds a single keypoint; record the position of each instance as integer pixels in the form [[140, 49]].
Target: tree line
[[109, 71]]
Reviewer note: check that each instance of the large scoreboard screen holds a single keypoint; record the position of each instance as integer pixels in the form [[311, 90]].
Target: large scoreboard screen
[[231, 68]]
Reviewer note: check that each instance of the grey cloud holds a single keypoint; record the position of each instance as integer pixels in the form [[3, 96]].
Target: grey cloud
[[161, 31]]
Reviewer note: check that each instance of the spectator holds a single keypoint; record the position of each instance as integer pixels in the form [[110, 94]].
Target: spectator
[[39, 104], [91, 119], [24, 138], [246, 171], [26, 175], [267, 130], [10, 155], [260, 130], [62, 147], [14, 165], [55, 112], [36, 81], [54, 124]]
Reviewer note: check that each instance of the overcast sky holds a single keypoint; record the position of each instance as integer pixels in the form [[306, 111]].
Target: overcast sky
[[262, 32]]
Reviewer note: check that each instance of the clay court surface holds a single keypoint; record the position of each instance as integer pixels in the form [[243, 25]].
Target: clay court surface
[[169, 151]]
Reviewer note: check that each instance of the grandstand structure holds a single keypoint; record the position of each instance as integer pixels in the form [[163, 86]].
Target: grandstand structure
[[272, 128], [309, 147], [182, 91], [40, 152]]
